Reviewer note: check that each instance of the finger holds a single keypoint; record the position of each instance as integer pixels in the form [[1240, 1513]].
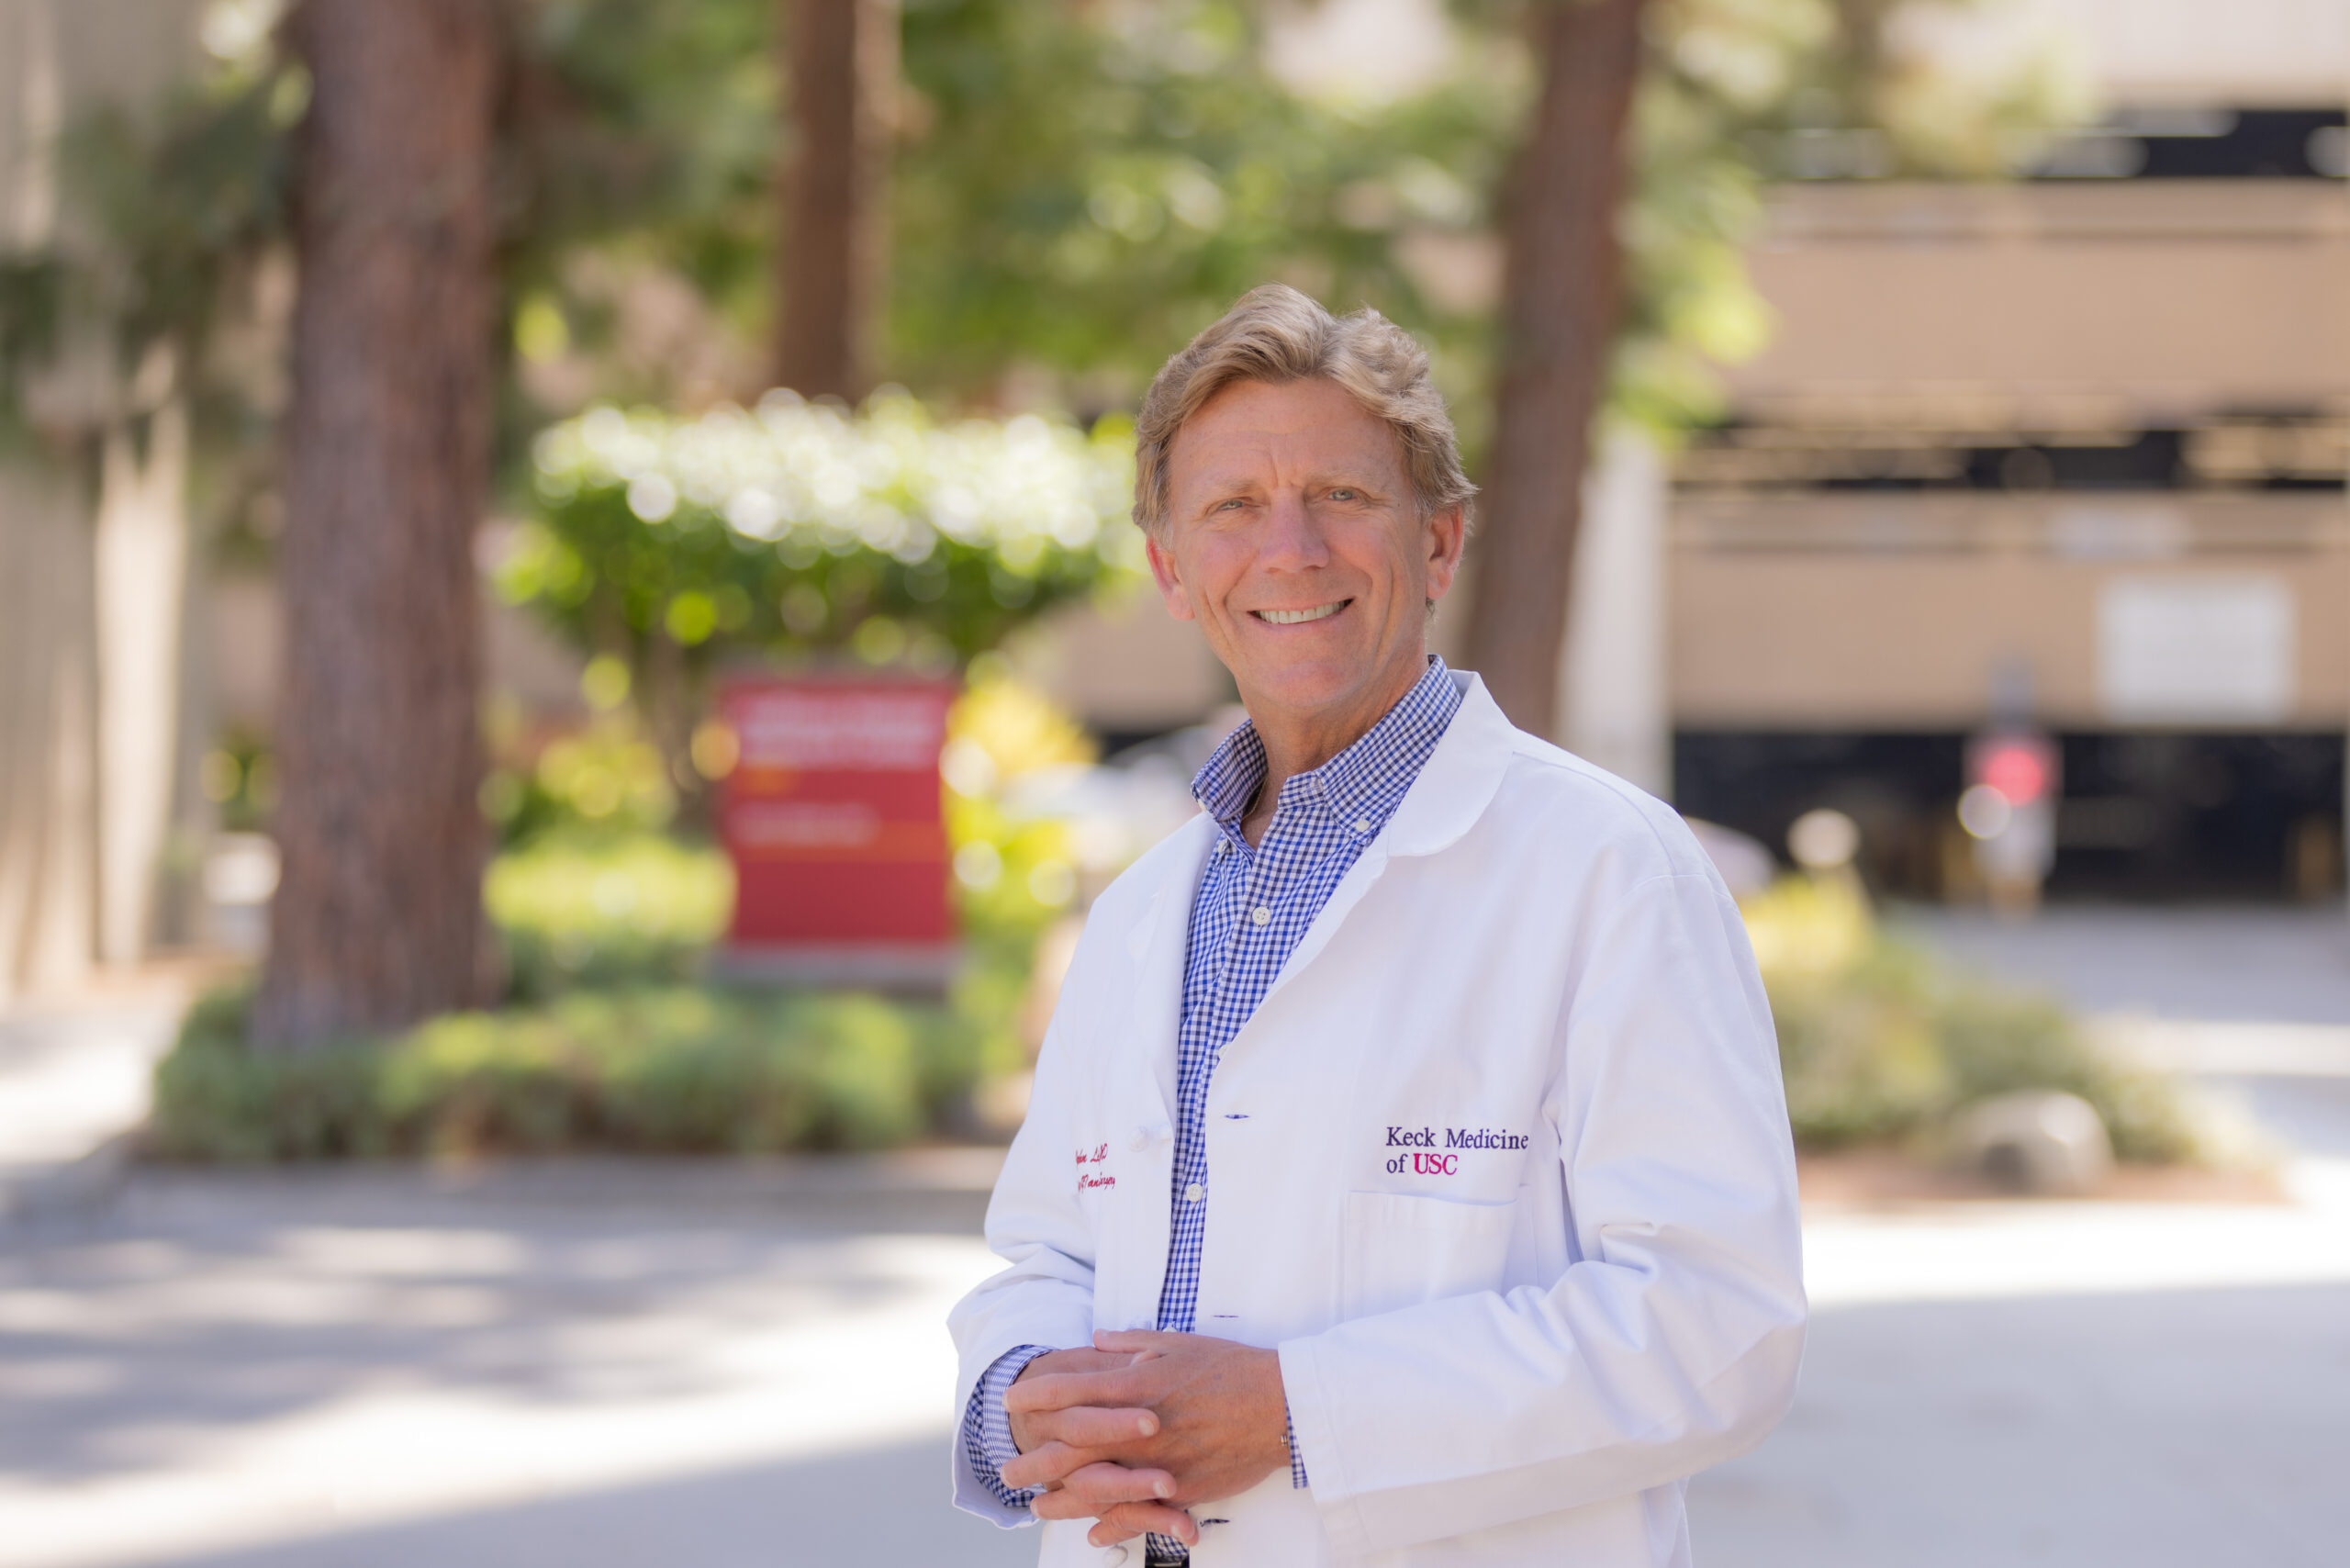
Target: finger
[[1087, 1428], [1130, 1341], [1094, 1489], [1130, 1519], [1059, 1391], [1044, 1465], [1106, 1485]]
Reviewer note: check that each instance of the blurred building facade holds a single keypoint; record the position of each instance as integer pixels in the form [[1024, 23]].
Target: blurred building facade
[[94, 538], [2069, 454]]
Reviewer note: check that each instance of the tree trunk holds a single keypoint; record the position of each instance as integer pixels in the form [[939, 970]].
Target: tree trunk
[[831, 261], [1560, 289], [378, 920]]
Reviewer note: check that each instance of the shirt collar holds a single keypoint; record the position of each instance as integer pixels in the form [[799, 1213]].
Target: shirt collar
[[1363, 783]]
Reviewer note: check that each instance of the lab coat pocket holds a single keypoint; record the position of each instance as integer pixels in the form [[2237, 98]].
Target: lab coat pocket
[[1400, 1248]]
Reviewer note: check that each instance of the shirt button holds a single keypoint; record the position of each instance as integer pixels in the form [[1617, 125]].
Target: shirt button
[[1194, 1192], [1261, 914], [1362, 824]]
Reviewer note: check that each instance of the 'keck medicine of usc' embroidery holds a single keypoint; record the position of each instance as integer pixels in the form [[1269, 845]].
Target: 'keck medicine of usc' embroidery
[[1423, 1141]]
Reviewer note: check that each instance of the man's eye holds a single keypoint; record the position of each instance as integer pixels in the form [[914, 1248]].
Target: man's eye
[[1344, 494], [1227, 506]]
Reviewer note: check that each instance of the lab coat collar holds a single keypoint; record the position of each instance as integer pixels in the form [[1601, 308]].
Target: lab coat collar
[[1454, 787], [1460, 778], [1362, 783], [1457, 782]]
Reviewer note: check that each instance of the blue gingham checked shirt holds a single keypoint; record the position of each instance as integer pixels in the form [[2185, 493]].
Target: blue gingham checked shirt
[[1253, 906]]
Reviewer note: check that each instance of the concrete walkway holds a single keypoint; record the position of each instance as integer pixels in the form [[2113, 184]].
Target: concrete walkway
[[582, 1362], [73, 1083], [602, 1363], [2091, 1385], [598, 1365]]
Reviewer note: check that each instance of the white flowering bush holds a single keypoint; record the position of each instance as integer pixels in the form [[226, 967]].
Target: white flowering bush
[[890, 532]]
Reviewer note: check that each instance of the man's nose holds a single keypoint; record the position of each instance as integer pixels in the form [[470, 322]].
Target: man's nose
[[1292, 541]]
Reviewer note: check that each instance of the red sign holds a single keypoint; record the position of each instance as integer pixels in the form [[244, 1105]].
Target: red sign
[[2021, 765], [832, 814]]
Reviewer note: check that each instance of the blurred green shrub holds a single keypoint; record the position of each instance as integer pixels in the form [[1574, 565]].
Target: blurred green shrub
[[604, 775], [1877, 1041], [656, 1069], [888, 534], [584, 909]]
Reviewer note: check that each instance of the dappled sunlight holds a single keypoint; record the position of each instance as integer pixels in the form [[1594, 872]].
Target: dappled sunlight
[[1994, 1250], [253, 1376]]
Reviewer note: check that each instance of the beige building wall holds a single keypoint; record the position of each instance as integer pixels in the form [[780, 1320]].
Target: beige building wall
[[2004, 314], [1774, 635], [2050, 306]]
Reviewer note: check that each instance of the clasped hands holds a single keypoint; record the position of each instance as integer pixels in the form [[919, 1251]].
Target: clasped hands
[[1142, 1426]]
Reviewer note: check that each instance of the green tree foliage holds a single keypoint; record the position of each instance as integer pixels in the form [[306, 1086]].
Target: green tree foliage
[[1078, 188], [1083, 188]]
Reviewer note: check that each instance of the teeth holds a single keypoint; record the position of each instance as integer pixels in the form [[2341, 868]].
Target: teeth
[[1295, 617]]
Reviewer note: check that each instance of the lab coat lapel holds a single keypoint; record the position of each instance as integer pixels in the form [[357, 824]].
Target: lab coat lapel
[[1455, 785], [1155, 945]]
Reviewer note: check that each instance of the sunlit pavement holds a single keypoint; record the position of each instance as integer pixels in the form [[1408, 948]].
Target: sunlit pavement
[[586, 1363], [602, 1363], [2092, 1384], [74, 1081]]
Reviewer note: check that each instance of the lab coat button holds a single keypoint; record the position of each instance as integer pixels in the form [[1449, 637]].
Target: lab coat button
[[1112, 1556], [1138, 1139], [1194, 1192]]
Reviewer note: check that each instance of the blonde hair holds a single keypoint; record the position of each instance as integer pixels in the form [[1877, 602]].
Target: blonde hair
[[1276, 334]]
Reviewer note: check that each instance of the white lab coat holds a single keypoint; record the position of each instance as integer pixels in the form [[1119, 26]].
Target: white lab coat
[[1501, 1165]]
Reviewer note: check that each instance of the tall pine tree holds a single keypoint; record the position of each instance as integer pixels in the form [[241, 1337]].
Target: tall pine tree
[[378, 919]]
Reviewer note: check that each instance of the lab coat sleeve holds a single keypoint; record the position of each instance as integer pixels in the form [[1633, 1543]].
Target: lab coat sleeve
[[1045, 1297], [1672, 1340]]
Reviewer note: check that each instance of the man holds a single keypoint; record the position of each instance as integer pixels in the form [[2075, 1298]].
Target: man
[[1407, 1178]]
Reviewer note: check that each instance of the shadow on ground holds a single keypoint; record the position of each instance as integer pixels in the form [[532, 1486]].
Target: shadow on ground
[[207, 1304], [887, 1507]]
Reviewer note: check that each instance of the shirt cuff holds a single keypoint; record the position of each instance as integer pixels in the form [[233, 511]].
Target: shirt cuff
[[1297, 1460], [987, 1426]]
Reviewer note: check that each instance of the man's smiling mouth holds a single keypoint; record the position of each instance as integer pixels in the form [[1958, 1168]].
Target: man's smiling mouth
[[1299, 617]]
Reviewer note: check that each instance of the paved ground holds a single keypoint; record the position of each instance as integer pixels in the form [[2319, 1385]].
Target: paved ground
[[2092, 1384], [2257, 965], [612, 1364], [587, 1363], [72, 1079]]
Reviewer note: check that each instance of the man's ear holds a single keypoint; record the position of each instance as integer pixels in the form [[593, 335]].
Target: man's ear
[[1448, 534], [1170, 584]]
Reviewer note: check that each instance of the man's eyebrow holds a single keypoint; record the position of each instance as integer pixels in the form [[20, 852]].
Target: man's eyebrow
[[1217, 488], [1350, 478]]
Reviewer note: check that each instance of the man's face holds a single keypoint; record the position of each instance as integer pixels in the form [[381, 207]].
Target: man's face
[[1294, 541]]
